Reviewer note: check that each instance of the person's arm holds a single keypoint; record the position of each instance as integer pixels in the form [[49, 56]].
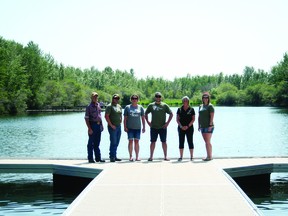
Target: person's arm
[[178, 121], [125, 123], [101, 125], [147, 120], [169, 119], [192, 121], [107, 117], [146, 115], [120, 114], [199, 126], [90, 131], [143, 123], [211, 119]]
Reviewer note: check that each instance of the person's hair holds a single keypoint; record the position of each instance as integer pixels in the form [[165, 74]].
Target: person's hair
[[185, 97], [206, 95], [134, 95]]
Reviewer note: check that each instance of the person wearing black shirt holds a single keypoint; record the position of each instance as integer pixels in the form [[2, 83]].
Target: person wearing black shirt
[[185, 119]]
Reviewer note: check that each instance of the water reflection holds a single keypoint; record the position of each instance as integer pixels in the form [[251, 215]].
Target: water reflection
[[275, 202], [283, 111], [31, 194], [239, 132]]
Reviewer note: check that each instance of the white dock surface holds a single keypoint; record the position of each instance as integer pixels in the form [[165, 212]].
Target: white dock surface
[[162, 188]]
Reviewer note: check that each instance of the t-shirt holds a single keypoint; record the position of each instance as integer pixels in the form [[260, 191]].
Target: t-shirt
[[204, 115], [134, 114], [115, 112], [185, 116], [158, 112]]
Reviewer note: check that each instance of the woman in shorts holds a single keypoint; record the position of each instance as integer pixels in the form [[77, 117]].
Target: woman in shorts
[[206, 124], [133, 116]]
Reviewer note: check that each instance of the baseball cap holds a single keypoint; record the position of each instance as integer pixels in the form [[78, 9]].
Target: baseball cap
[[158, 94], [116, 96], [93, 94]]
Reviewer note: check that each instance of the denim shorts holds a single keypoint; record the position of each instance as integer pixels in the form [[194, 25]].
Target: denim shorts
[[134, 134], [154, 134], [206, 130]]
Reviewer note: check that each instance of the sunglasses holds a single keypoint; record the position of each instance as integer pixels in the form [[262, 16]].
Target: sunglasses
[[133, 98], [158, 96]]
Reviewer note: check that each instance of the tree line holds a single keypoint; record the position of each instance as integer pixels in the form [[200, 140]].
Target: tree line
[[33, 80]]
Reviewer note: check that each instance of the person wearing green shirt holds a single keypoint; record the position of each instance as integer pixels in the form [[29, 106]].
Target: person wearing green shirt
[[113, 116], [158, 124], [206, 124]]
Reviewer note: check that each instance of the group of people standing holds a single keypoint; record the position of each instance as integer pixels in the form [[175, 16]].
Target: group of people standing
[[134, 121]]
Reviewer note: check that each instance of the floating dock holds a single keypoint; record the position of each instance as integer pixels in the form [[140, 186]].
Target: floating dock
[[158, 188]]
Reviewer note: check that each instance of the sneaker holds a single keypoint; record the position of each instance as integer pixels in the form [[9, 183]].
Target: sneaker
[[207, 159], [180, 159]]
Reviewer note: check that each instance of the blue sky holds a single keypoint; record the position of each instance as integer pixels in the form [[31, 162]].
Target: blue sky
[[160, 38]]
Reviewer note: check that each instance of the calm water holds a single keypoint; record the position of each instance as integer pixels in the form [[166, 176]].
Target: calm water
[[274, 203], [31, 194], [239, 131]]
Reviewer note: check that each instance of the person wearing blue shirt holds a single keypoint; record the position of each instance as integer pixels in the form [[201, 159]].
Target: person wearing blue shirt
[[94, 124]]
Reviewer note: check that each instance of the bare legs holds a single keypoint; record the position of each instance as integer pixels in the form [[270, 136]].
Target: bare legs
[[164, 147], [136, 142], [207, 139], [152, 148], [130, 149], [136, 148]]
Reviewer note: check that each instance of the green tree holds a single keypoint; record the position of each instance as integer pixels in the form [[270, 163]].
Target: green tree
[[36, 68], [30, 79], [13, 84], [279, 79], [259, 95], [227, 94]]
